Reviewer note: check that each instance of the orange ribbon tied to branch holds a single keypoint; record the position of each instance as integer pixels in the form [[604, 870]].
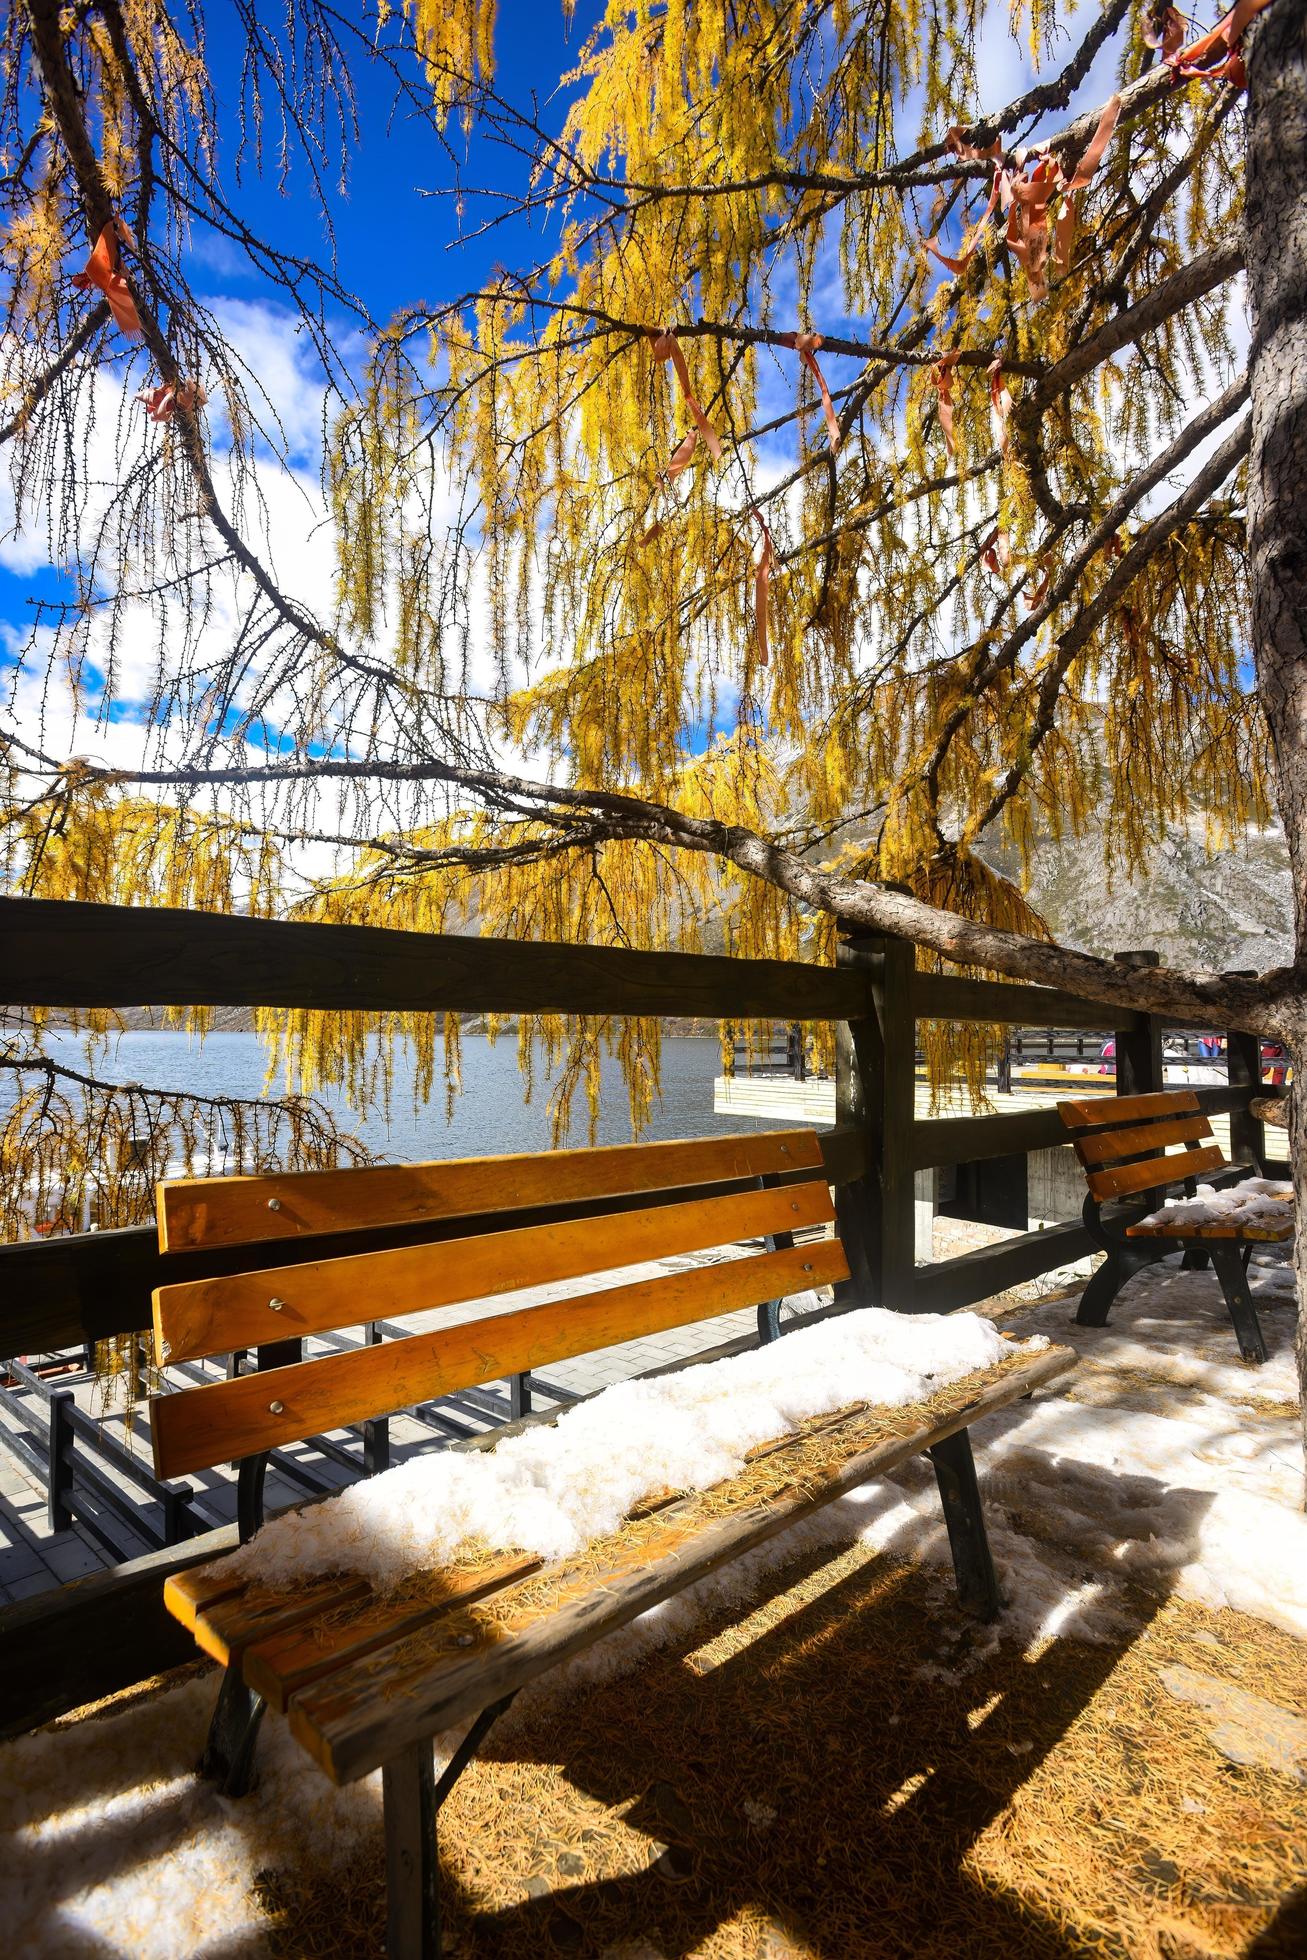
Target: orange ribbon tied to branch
[[104, 271], [805, 346], [764, 557], [941, 374], [1214, 57], [997, 551], [1166, 35], [1024, 198], [162, 403], [1000, 408], [666, 347], [1027, 202], [968, 153]]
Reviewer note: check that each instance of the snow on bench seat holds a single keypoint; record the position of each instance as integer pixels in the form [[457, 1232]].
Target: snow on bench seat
[[354, 1665], [1258, 1208]]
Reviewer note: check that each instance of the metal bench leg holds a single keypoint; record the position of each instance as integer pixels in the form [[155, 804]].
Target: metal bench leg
[[1228, 1264], [1103, 1287], [228, 1758], [955, 1473], [412, 1798], [412, 1895]]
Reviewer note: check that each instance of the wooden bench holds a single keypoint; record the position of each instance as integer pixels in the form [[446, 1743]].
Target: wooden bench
[[1134, 1149], [366, 1682]]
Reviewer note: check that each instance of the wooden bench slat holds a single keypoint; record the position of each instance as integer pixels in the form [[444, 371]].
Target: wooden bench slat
[[1101, 1112], [362, 1714], [1246, 1234], [202, 1426], [279, 1665], [1155, 1172], [1107, 1146], [227, 1626], [214, 1316], [189, 1594], [214, 1211]]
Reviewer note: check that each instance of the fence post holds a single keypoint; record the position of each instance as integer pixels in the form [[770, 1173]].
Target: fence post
[[1139, 1070], [60, 1465], [1004, 1083], [376, 1430], [875, 1088], [1243, 1055], [179, 1520]]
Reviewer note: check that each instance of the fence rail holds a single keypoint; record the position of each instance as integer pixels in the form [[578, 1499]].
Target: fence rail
[[51, 1426], [62, 955], [876, 1087]]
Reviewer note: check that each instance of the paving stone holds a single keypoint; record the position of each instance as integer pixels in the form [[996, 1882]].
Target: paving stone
[[19, 1562], [68, 1558], [39, 1582]]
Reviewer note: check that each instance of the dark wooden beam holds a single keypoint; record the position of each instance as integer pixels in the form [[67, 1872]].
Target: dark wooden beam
[[950, 997], [1138, 1048], [56, 954], [967, 1139], [991, 1269], [64, 1648], [874, 1091], [939, 1140]]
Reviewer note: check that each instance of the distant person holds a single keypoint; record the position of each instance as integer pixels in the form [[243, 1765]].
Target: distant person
[[1210, 1046], [1107, 1064], [1275, 1057]]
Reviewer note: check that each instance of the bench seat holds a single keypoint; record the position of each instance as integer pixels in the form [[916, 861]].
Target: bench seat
[[361, 1677], [1179, 1228]]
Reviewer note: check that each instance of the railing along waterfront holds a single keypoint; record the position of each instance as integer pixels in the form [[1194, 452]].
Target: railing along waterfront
[[63, 1293]]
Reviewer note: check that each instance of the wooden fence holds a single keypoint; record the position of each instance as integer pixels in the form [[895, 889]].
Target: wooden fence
[[62, 1293]]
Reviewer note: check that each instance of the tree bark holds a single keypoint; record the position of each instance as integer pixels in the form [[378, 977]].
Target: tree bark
[[1276, 54]]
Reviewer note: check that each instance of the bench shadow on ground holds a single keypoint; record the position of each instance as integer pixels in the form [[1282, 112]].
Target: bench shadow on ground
[[818, 1780]]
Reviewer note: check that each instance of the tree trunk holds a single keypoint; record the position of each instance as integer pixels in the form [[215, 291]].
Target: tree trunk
[[1276, 53]]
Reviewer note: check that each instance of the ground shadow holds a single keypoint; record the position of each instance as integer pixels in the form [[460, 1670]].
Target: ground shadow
[[826, 1779]]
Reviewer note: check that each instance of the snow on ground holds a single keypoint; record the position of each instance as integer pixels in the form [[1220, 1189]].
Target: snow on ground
[[1163, 1462], [113, 1845]]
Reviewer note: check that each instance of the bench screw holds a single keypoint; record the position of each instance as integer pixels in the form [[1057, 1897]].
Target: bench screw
[[276, 1305], [807, 1268], [274, 1204], [276, 1408]]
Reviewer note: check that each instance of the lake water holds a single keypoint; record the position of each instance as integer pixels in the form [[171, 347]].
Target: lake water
[[490, 1117]]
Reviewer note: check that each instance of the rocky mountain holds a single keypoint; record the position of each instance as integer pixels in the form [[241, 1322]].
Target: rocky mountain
[[1231, 907]]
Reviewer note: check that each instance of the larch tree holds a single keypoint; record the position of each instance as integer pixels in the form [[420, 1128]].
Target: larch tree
[[865, 476]]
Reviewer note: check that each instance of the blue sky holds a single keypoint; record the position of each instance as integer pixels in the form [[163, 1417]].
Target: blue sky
[[395, 244]]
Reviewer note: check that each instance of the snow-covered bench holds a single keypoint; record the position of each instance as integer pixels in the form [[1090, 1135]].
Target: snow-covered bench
[[1125, 1144], [367, 1675]]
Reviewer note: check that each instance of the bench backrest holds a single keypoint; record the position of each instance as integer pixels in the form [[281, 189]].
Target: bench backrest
[[701, 1196], [1126, 1142]]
